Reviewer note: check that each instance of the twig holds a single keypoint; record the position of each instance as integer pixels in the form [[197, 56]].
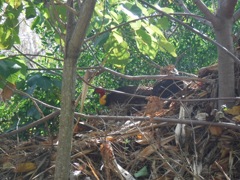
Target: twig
[[186, 10], [35, 123], [125, 118], [160, 119], [32, 60], [221, 169], [150, 77]]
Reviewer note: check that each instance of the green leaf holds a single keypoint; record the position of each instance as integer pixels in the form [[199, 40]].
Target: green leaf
[[146, 44], [142, 172], [33, 79], [14, 3], [154, 30], [100, 40], [136, 25], [45, 83], [168, 47], [35, 22], [42, 81], [118, 36], [33, 112], [166, 10], [6, 39], [116, 17], [30, 12], [163, 23], [116, 52], [12, 69], [136, 10], [158, 37], [143, 9]]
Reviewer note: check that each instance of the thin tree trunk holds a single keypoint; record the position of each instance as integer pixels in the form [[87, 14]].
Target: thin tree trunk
[[226, 79], [222, 23], [76, 32]]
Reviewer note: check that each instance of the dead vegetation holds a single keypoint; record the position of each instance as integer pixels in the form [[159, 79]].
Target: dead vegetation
[[112, 149]]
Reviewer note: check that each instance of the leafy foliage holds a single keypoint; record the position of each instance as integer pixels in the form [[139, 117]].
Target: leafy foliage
[[123, 35], [11, 70]]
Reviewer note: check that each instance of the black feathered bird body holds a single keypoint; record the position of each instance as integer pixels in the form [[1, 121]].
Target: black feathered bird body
[[135, 99], [121, 98], [167, 88]]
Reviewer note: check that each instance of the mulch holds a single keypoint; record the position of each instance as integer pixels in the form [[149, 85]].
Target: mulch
[[143, 150]]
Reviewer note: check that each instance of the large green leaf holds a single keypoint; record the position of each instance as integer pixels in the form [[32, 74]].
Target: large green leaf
[[158, 37], [45, 83], [9, 27], [6, 40], [146, 44], [117, 50], [30, 12], [100, 40], [42, 81], [170, 48], [12, 69], [163, 23]]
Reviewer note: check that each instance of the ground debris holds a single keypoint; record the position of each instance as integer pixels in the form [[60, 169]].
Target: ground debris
[[139, 150]]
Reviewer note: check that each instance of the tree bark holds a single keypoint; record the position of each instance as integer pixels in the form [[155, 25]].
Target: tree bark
[[226, 79], [222, 25], [74, 40], [223, 31]]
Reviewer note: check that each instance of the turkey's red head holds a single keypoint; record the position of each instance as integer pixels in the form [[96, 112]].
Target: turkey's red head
[[100, 91]]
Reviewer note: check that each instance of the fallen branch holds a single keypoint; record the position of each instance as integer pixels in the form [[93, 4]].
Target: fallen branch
[[160, 119], [126, 118]]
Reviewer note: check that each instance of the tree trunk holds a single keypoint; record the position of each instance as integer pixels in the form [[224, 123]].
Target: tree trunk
[[76, 32], [226, 79], [222, 23]]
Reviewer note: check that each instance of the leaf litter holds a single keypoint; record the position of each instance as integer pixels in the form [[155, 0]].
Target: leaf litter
[[141, 150]]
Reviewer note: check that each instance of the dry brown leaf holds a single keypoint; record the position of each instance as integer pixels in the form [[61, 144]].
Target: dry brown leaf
[[154, 105], [237, 118], [215, 130], [25, 167], [7, 91], [235, 110], [107, 153], [110, 138], [224, 152], [147, 151]]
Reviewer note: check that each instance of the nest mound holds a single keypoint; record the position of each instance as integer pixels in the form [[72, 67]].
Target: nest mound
[[142, 149]]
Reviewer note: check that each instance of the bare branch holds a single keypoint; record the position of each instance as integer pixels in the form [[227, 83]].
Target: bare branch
[[159, 77], [186, 10], [160, 119], [32, 60], [203, 8], [125, 118], [34, 99], [35, 123], [184, 7]]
